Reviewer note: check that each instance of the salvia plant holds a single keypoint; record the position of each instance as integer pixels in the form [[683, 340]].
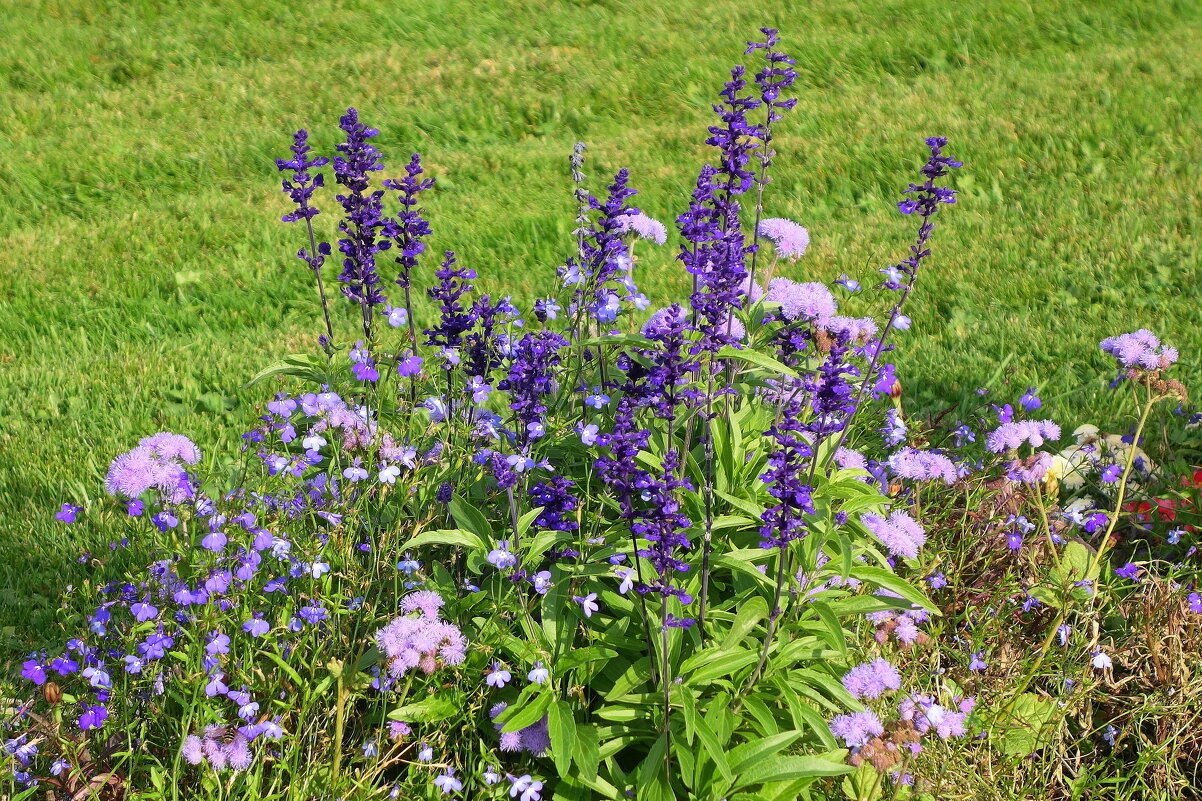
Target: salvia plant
[[514, 550]]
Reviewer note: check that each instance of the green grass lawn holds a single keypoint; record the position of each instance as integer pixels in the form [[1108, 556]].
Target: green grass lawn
[[144, 275]]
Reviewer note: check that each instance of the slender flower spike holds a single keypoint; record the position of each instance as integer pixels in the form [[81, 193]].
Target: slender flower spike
[[365, 220]]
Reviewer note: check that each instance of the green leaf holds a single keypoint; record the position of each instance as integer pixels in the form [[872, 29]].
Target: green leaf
[[562, 728], [1074, 563], [709, 741], [471, 518], [530, 707], [299, 365], [836, 637], [284, 666], [452, 536], [887, 580], [722, 664], [587, 754], [635, 340], [430, 710], [748, 617], [752, 508], [786, 768], [1026, 729], [743, 757], [756, 358]]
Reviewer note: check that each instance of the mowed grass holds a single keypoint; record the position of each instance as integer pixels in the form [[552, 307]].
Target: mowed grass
[[144, 275]]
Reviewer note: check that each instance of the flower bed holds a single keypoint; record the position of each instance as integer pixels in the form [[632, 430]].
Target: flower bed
[[591, 549]]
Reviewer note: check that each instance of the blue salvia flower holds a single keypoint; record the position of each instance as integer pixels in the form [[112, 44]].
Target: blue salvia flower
[[603, 252], [365, 219], [454, 321], [482, 348], [774, 77], [619, 467], [410, 229], [784, 522], [925, 199], [300, 187], [535, 358], [557, 502], [670, 364], [662, 523]]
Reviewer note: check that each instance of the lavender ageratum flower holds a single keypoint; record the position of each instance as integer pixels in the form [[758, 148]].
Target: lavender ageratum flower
[[530, 378], [139, 470], [857, 728], [365, 222], [192, 750], [919, 465], [899, 533], [428, 602], [859, 330], [1030, 470], [1139, 350], [1012, 435], [789, 238], [809, 301], [172, 447], [644, 227], [872, 679], [926, 715], [421, 642], [454, 321]]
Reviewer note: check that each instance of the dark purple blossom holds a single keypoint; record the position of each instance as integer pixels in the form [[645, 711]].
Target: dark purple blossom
[[454, 321], [365, 222], [530, 380]]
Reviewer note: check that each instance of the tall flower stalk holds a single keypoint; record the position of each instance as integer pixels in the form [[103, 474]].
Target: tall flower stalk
[[774, 77], [365, 220], [300, 186], [924, 200]]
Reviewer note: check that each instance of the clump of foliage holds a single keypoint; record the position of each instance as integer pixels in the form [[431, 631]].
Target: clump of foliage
[[582, 549]]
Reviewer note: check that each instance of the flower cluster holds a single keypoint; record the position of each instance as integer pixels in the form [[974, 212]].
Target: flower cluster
[[420, 639]]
